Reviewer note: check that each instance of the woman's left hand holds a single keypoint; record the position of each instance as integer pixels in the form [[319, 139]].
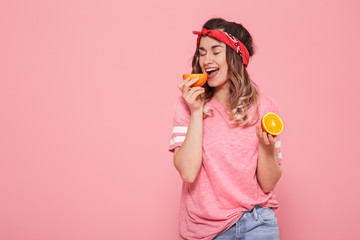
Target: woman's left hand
[[268, 169], [266, 141]]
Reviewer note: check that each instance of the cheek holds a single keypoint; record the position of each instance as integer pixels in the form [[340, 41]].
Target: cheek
[[224, 66], [222, 61], [225, 69], [201, 62], [224, 72]]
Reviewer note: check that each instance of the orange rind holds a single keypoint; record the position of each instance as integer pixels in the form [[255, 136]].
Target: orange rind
[[202, 78]]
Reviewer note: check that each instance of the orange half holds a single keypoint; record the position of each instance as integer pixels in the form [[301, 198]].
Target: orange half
[[202, 78], [272, 123]]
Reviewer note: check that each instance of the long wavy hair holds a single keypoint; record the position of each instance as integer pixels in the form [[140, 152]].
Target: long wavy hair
[[244, 92]]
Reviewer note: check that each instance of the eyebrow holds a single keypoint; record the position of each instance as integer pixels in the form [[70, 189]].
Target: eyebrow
[[215, 46]]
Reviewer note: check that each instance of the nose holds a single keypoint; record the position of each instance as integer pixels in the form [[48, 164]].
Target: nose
[[208, 59]]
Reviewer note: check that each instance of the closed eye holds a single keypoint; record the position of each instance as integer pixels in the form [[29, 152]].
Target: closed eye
[[215, 53]]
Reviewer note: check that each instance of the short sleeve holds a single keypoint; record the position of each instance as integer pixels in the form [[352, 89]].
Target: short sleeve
[[279, 157], [180, 124]]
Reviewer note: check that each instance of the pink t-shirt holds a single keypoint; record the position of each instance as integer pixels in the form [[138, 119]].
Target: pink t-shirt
[[226, 185]]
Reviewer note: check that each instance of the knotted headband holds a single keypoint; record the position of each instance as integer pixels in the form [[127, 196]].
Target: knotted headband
[[228, 39]]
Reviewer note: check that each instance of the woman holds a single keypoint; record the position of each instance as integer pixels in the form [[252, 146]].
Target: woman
[[229, 166]]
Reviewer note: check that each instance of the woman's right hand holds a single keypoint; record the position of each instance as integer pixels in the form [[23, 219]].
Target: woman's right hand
[[191, 95]]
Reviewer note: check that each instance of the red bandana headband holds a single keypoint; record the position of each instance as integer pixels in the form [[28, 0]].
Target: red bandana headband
[[228, 39]]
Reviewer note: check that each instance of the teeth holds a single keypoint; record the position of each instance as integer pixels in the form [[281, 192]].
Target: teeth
[[211, 69]]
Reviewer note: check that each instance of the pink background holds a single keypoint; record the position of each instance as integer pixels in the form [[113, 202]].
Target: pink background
[[86, 101]]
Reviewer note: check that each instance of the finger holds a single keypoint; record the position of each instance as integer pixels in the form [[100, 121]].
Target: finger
[[187, 85], [265, 138], [272, 139], [257, 131], [191, 82], [182, 83], [196, 88], [192, 90], [195, 94], [180, 86], [260, 132]]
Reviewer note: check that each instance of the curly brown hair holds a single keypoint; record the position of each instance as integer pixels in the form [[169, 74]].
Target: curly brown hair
[[243, 91]]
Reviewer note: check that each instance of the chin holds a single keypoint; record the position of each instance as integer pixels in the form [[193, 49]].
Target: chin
[[216, 83], [211, 84]]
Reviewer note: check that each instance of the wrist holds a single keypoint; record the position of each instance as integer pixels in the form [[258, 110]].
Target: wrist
[[197, 113], [267, 151]]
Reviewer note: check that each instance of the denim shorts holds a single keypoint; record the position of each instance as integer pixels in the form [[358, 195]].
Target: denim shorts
[[257, 224]]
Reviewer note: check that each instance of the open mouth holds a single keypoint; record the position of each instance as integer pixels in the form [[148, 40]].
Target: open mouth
[[212, 72]]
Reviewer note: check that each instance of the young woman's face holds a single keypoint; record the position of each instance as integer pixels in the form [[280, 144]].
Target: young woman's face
[[212, 61]]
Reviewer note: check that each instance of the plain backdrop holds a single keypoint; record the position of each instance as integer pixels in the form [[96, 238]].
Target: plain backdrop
[[87, 92]]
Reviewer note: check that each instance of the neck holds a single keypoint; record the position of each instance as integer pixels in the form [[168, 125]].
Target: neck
[[222, 95]]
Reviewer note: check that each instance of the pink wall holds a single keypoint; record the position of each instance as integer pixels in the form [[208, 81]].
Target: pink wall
[[86, 97]]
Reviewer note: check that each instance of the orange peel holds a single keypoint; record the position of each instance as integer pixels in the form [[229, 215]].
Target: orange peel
[[202, 78]]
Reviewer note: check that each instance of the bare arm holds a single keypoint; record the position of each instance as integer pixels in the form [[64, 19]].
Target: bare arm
[[268, 169], [188, 157]]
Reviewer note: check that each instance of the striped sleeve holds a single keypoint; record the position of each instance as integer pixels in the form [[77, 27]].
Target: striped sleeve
[[180, 124], [278, 152]]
